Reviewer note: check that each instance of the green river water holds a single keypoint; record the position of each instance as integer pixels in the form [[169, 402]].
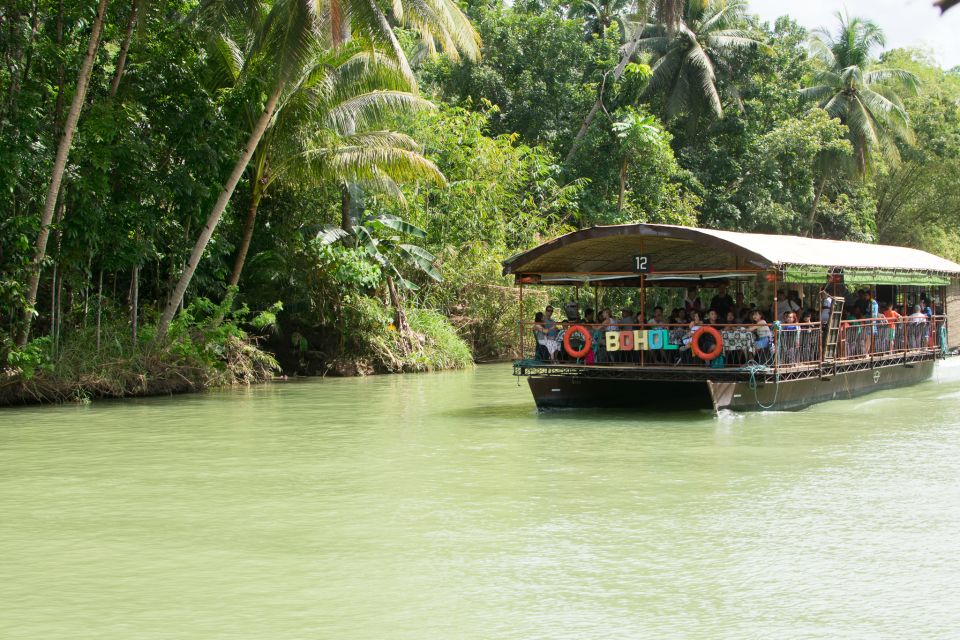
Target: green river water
[[443, 506]]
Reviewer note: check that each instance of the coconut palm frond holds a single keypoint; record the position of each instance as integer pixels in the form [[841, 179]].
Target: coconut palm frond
[[367, 110], [905, 78]]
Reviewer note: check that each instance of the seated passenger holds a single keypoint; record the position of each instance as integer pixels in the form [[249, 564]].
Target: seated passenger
[[712, 317], [540, 338], [760, 330], [657, 318], [549, 324]]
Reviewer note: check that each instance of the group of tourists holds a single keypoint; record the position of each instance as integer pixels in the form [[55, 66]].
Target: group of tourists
[[751, 331]]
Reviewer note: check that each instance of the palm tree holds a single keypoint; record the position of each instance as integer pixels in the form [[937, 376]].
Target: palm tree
[[598, 14], [862, 98], [689, 60], [287, 36], [433, 20], [315, 137], [59, 167]]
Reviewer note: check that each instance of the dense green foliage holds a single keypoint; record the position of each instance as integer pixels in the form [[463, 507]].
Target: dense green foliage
[[376, 206]]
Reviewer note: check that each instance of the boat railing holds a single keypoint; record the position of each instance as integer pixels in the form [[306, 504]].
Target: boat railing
[[777, 345], [873, 338], [658, 345]]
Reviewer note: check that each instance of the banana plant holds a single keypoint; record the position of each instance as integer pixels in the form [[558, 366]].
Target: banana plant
[[384, 237]]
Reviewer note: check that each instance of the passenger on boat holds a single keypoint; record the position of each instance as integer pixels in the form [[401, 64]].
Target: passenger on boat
[[540, 338], [692, 328], [731, 317], [607, 323], [785, 303], [788, 338], [761, 332], [691, 301], [657, 318], [722, 302], [873, 309], [826, 304], [893, 322], [862, 304], [713, 317], [549, 324], [588, 316], [918, 331]]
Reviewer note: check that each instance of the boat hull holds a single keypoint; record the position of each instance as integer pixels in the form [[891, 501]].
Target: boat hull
[[556, 392]]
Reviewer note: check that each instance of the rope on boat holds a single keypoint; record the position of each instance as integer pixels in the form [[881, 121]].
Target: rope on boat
[[753, 368]]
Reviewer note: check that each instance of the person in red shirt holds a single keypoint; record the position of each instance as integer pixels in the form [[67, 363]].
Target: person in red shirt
[[893, 320]]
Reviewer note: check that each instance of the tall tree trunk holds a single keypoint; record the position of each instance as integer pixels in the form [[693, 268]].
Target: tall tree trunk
[[816, 201], [255, 196], [177, 296], [99, 307], [400, 316], [627, 52], [346, 220], [134, 301], [61, 74], [623, 184], [53, 303], [124, 49], [59, 166]]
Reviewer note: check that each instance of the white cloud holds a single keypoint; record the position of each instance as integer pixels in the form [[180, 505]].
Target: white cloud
[[906, 23]]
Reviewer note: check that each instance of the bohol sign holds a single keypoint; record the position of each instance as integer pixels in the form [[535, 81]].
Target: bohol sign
[[642, 340]]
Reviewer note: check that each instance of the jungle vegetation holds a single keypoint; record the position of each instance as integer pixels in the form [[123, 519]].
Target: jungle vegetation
[[204, 192]]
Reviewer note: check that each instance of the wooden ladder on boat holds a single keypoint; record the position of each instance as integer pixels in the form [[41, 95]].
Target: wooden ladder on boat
[[833, 330]]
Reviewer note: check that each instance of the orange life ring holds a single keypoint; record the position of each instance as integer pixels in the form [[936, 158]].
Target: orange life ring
[[717, 347], [587, 342]]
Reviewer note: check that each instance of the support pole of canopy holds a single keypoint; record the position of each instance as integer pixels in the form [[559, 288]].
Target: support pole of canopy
[[776, 344], [643, 302], [520, 321]]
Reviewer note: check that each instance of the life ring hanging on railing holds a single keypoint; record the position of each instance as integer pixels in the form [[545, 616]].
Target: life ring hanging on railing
[[706, 356], [587, 342]]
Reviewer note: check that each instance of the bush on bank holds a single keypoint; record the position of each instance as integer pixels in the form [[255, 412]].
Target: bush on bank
[[206, 347]]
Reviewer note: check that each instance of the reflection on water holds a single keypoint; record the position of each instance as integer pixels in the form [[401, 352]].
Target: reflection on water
[[444, 506]]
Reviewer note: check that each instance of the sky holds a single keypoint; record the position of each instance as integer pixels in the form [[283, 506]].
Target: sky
[[906, 23]]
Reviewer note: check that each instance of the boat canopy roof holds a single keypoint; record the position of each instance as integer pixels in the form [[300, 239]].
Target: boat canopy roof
[[609, 253]]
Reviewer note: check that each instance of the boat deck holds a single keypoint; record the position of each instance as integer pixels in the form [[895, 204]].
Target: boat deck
[[700, 372]]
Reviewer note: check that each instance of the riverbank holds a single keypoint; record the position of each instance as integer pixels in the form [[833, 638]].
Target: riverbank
[[215, 352]]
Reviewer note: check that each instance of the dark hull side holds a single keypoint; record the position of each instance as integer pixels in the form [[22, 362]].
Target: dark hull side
[[554, 392]]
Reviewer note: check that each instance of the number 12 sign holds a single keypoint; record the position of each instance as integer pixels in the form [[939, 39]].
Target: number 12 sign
[[641, 264]]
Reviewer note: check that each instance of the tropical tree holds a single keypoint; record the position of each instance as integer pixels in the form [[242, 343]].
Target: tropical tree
[[59, 167], [865, 99], [288, 36], [637, 133], [598, 15], [309, 147], [690, 60]]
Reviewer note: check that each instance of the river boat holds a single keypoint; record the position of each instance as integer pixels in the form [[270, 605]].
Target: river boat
[[730, 366]]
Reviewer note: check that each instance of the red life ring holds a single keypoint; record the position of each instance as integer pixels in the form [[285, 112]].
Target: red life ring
[[587, 342], [717, 347]]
